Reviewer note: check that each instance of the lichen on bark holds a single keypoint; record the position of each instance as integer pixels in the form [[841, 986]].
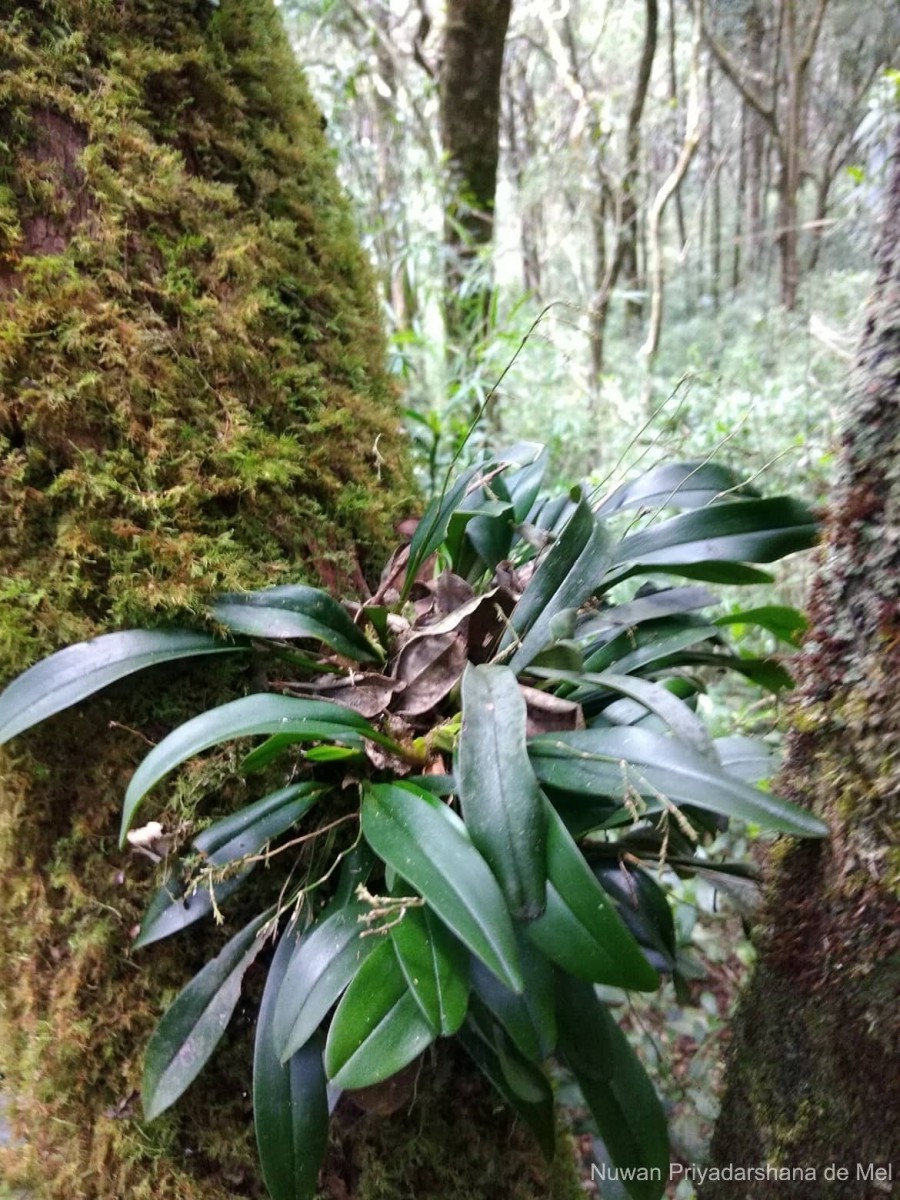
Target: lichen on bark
[[814, 1072]]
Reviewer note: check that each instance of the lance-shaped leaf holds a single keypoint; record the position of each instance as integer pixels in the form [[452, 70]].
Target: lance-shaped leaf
[[193, 1025], [745, 531], [323, 962], [574, 567], [784, 622], [315, 720], [436, 968], [290, 1103], [432, 529], [378, 1027], [653, 697], [521, 1083], [428, 846], [746, 758], [501, 801], [529, 1019], [581, 930], [73, 674], [676, 485], [294, 611], [618, 1092], [248, 830], [611, 762], [173, 909]]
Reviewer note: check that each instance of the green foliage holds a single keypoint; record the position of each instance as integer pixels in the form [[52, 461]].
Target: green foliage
[[494, 925]]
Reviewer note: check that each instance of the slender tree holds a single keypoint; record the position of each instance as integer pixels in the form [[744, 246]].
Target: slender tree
[[471, 69], [814, 1073]]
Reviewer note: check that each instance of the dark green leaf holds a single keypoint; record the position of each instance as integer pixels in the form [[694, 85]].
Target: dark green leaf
[[194, 1024], [747, 759], [317, 720], [572, 570], [581, 930], [171, 910], [785, 623], [428, 846], [294, 611], [378, 1027], [611, 762], [618, 1092], [654, 697], [73, 674], [290, 1104], [745, 531], [436, 968], [432, 529], [529, 1019], [479, 1037], [675, 485], [642, 906], [324, 961], [501, 802], [248, 830]]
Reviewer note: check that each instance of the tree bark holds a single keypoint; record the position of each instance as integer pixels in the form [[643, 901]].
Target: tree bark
[[474, 38], [814, 1071]]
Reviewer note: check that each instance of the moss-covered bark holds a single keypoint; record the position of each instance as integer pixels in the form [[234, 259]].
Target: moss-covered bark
[[814, 1073], [192, 398]]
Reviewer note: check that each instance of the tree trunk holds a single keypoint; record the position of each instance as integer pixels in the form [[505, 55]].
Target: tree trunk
[[474, 38], [814, 1071], [192, 399]]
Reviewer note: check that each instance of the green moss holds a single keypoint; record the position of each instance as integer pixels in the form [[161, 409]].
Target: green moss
[[451, 1140], [192, 388], [191, 374]]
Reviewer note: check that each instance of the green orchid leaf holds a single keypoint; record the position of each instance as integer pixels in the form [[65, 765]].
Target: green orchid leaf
[[290, 1102], [746, 758], [260, 757], [529, 1019], [436, 968], [643, 906], [666, 602], [676, 485], [193, 1025], [432, 529], [653, 697], [617, 1089], [315, 720], [524, 481], [172, 909], [324, 961], [574, 567], [74, 674], [378, 1027], [787, 624], [429, 847], [766, 673], [248, 830], [501, 801], [626, 760], [581, 930], [294, 611], [521, 1083], [744, 531]]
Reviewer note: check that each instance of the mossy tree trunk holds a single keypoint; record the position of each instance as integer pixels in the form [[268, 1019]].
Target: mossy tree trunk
[[192, 398], [814, 1074]]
